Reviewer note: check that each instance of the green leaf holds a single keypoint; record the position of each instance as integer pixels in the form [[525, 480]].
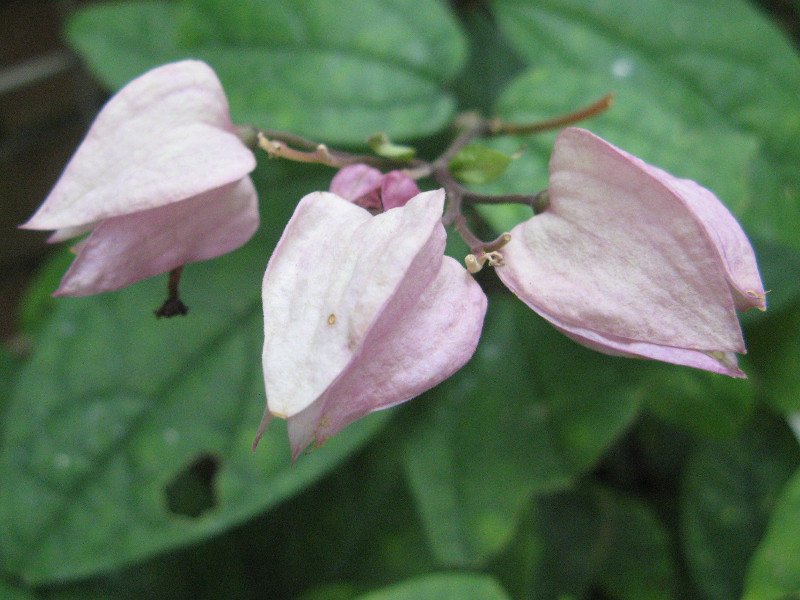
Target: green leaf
[[122, 40], [9, 591], [645, 126], [9, 366], [569, 525], [775, 354], [707, 90], [420, 34], [638, 564], [557, 547], [115, 408], [589, 537], [728, 492], [491, 61], [443, 586], [365, 508], [295, 65], [478, 164], [780, 271], [37, 302], [511, 425], [774, 571], [706, 404], [351, 531]]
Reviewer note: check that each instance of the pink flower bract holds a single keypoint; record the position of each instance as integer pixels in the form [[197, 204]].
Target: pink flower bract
[[161, 180], [628, 259], [361, 313]]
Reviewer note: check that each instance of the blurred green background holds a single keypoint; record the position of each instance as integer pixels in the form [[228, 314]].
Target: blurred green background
[[541, 470]]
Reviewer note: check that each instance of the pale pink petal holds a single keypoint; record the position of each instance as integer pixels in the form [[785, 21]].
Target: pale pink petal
[[717, 362], [332, 272], [722, 228], [127, 249], [619, 254], [415, 343], [67, 233], [357, 182], [164, 137], [397, 188]]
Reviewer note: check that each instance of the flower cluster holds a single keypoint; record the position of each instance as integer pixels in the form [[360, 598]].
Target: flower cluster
[[362, 309]]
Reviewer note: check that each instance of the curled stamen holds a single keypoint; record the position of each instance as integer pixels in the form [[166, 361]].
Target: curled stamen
[[487, 252], [475, 263], [495, 259]]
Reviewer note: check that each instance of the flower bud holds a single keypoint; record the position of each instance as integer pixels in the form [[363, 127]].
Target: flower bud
[[371, 189]]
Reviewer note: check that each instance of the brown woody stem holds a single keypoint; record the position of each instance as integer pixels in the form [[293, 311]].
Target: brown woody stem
[[498, 127], [280, 144]]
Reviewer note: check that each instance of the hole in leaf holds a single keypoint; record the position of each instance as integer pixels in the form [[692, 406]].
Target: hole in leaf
[[191, 492]]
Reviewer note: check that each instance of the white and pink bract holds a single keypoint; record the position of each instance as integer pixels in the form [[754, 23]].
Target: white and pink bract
[[362, 313], [161, 180], [629, 260]]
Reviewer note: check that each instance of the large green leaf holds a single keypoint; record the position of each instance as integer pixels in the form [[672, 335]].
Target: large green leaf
[[556, 548], [774, 572], [420, 35], [9, 365], [707, 404], [780, 271], [527, 414], [445, 586], [584, 538], [729, 489], [707, 90], [118, 416], [775, 348], [353, 530], [9, 591], [306, 66], [638, 555], [122, 40]]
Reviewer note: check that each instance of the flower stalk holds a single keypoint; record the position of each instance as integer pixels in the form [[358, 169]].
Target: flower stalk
[[472, 126]]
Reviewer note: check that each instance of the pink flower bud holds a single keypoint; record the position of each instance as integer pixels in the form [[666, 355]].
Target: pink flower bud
[[397, 188], [371, 189], [361, 313], [359, 184], [629, 260], [160, 180]]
